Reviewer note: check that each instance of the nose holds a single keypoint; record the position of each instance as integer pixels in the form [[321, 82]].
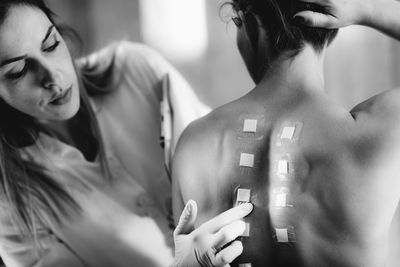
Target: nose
[[47, 74]]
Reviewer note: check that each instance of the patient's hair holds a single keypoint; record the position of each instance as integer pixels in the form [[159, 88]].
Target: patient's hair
[[284, 33]]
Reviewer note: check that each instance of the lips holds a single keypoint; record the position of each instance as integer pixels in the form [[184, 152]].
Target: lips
[[61, 98]]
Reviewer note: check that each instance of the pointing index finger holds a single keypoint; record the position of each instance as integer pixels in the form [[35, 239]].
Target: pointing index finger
[[227, 217]]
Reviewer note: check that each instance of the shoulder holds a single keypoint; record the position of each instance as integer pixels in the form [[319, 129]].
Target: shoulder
[[198, 141], [378, 126], [141, 59], [206, 137], [199, 155], [384, 106], [123, 58], [206, 133], [379, 116], [119, 51], [126, 51]]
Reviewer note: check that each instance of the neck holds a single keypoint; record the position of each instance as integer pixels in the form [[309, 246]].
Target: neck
[[76, 132], [59, 127], [289, 75]]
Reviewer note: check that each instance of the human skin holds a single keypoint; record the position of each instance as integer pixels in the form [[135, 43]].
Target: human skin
[[41, 71], [382, 15], [345, 187], [38, 78]]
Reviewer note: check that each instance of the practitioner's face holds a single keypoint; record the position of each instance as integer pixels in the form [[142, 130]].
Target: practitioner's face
[[37, 76]]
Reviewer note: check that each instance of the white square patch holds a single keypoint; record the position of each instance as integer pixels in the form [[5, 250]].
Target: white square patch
[[288, 132], [282, 235], [283, 166], [250, 126], [246, 160], [280, 200], [246, 232], [243, 195]]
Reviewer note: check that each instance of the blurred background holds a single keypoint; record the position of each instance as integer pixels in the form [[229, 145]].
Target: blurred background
[[197, 37]]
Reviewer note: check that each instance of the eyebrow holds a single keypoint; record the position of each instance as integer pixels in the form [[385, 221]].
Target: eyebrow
[[15, 59], [11, 60], [48, 34]]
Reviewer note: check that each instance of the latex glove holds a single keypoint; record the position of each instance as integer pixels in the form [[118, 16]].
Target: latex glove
[[339, 13], [202, 246]]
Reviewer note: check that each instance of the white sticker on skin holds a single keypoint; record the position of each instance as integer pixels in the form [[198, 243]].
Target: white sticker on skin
[[243, 195], [245, 265], [280, 200], [283, 167], [246, 160], [250, 126], [282, 235], [288, 132], [246, 232]]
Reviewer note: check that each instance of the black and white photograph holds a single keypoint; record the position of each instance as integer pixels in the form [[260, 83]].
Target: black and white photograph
[[199, 133]]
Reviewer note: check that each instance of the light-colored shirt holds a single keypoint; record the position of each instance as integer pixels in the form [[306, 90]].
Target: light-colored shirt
[[125, 220]]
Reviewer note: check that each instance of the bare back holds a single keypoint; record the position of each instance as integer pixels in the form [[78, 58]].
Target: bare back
[[283, 156]]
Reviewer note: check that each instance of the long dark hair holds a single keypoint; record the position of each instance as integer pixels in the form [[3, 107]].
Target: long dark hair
[[26, 188]]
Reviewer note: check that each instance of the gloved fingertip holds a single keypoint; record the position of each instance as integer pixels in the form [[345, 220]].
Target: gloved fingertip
[[247, 207], [186, 221], [189, 208]]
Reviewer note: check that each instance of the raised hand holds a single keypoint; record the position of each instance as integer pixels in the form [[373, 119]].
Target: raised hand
[[339, 13]]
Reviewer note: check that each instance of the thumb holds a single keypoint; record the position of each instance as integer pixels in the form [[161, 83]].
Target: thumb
[[188, 217]]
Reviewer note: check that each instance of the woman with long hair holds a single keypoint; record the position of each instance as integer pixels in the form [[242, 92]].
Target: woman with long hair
[[83, 180]]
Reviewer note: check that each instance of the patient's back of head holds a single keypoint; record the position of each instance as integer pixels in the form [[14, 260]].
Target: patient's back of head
[[284, 33]]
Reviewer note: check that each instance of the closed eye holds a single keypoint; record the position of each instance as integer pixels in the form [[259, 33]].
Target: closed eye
[[52, 47], [17, 75]]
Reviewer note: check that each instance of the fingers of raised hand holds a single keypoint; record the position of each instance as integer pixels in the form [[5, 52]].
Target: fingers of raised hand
[[315, 19], [227, 217], [318, 2]]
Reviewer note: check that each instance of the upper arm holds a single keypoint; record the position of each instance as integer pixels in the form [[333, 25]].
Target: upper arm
[[17, 251], [53, 254], [379, 116], [384, 106], [377, 134]]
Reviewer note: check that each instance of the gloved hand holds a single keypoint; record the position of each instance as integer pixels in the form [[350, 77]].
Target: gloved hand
[[202, 246]]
